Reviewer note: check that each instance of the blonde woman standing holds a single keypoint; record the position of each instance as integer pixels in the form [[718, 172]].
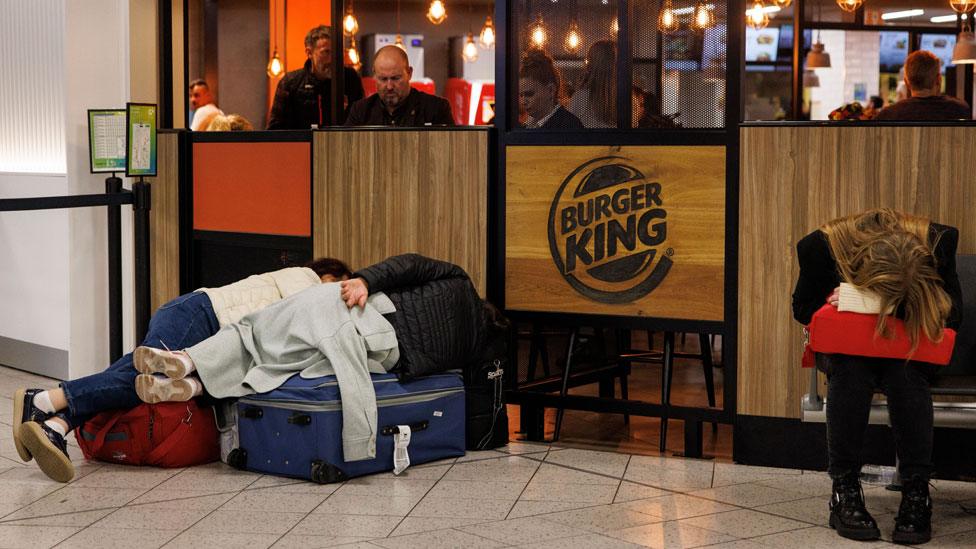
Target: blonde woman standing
[[909, 264]]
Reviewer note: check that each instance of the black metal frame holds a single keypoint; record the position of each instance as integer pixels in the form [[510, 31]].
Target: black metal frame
[[506, 70], [114, 197]]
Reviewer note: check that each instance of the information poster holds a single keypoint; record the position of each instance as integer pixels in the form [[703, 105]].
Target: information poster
[[140, 138], [106, 140]]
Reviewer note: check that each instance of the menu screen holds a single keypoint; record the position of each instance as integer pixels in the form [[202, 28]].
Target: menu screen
[[894, 49], [761, 45], [941, 45]]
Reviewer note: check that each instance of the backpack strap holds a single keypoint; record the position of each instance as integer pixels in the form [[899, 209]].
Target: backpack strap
[[174, 438]]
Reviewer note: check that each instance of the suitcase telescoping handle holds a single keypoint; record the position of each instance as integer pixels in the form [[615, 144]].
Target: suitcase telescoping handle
[[391, 430]]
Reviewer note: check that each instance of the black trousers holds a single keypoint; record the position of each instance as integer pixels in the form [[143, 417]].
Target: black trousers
[[851, 382]]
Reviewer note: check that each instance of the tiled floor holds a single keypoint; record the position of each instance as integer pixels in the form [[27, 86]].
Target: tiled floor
[[526, 495]]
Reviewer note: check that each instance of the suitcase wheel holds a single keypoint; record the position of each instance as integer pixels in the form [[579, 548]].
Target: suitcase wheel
[[326, 473], [237, 458]]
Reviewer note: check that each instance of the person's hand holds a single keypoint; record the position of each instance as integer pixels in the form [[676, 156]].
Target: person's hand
[[354, 292], [834, 296]]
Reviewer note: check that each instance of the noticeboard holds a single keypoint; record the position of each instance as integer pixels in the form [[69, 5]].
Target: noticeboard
[[625, 231], [106, 140], [140, 139]]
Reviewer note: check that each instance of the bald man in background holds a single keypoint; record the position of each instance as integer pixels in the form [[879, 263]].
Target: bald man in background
[[395, 103]]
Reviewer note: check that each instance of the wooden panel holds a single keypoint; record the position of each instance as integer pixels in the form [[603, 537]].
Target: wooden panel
[[232, 184], [164, 217], [382, 193], [794, 179], [553, 197]]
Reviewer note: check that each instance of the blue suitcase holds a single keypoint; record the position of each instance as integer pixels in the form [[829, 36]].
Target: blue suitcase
[[296, 430]]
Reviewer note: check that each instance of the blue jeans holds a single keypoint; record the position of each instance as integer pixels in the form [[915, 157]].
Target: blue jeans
[[184, 321]]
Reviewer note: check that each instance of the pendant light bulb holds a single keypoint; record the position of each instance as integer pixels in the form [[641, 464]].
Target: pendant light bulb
[[470, 51], [704, 18], [849, 6], [399, 42], [487, 36], [537, 33], [614, 26], [275, 66], [757, 17], [437, 12], [783, 4], [667, 20], [353, 54], [350, 25], [962, 6], [573, 39]]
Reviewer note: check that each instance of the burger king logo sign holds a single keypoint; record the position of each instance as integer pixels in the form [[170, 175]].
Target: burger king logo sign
[[608, 231]]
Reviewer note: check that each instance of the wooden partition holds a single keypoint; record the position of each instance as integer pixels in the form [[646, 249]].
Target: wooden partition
[[795, 178], [380, 192], [164, 222]]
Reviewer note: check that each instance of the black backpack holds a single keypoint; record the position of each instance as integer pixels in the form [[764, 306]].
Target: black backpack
[[484, 386]]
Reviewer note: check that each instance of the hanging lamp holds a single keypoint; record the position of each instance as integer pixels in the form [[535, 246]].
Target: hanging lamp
[[398, 42], [850, 6], [811, 79], [964, 52], [573, 39], [817, 57], [275, 65], [962, 6], [437, 12], [537, 33], [667, 20], [487, 36], [703, 17], [350, 25], [353, 54], [756, 17], [470, 50], [783, 4]]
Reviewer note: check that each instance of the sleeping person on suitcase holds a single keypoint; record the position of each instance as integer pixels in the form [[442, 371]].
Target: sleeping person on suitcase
[[417, 314], [43, 418]]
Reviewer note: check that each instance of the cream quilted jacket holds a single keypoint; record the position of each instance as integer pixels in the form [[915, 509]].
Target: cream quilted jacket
[[234, 301]]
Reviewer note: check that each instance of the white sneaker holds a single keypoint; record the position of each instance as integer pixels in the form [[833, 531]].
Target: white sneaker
[[154, 389], [172, 364]]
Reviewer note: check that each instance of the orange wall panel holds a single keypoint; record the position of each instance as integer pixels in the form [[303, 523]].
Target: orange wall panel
[[261, 188], [302, 15]]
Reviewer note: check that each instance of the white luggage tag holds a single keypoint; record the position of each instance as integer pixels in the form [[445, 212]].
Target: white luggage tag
[[401, 439]]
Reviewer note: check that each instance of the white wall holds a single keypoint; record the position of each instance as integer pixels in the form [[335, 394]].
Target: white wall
[[53, 277], [837, 83]]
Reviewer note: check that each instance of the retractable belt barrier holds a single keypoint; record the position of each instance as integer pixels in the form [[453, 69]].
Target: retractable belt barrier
[[114, 198]]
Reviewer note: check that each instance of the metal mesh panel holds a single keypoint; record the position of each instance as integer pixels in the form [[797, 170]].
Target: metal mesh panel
[[567, 64], [679, 76]]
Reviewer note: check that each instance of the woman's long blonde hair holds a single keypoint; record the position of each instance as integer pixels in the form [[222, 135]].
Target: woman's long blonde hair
[[889, 253]]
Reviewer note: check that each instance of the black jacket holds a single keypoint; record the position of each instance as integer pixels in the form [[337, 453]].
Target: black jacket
[[819, 276], [562, 119], [301, 99], [439, 321], [418, 109]]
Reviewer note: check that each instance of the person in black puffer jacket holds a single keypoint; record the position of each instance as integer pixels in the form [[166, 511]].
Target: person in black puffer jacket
[[442, 324]]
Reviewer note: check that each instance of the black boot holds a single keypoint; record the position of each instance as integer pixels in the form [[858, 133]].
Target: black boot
[[25, 411], [914, 521], [847, 512]]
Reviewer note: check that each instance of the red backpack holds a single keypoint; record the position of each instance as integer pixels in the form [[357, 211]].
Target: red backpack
[[168, 434]]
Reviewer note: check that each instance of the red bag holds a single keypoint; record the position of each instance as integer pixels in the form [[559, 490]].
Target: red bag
[[846, 333], [168, 434]]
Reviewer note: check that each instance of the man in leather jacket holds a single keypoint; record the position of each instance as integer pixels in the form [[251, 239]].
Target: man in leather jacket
[[304, 96]]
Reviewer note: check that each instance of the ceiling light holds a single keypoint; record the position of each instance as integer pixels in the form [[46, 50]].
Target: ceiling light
[[783, 3], [350, 25], [818, 58], [353, 55], [810, 79], [275, 66], [704, 18], [965, 51], [901, 14], [537, 34], [437, 12], [667, 21], [962, 6], [487, 36], [945, 18], [757, 17], [849, 5], [470, 50], [573, 39]]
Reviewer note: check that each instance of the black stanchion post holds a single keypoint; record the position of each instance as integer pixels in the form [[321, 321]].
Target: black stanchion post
[[114, 185], [141, 205]]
